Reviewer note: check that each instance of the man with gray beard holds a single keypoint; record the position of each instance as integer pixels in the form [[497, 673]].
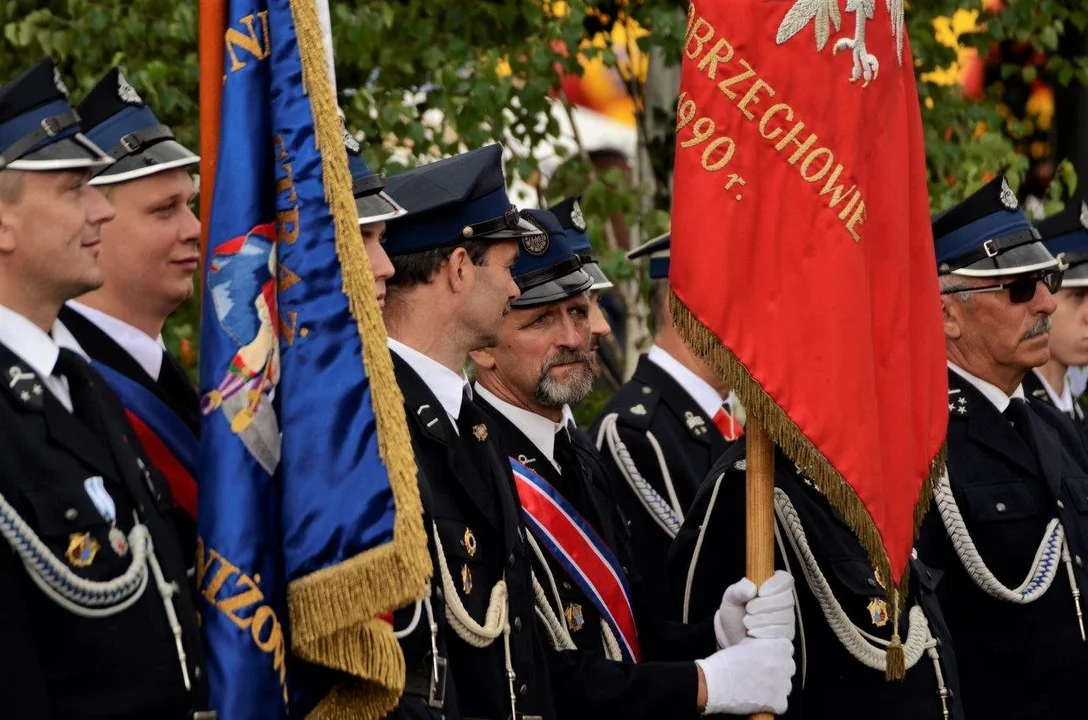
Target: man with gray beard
[[1010, 524]]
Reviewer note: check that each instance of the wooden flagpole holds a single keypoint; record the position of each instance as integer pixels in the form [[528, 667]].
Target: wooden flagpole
[[759, 508], [212, 21]]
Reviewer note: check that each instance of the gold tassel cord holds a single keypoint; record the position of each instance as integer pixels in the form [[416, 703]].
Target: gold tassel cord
[[334, 611], [786, 435]]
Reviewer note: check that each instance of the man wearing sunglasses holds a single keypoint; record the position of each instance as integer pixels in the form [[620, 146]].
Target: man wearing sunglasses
[[1010, 524]]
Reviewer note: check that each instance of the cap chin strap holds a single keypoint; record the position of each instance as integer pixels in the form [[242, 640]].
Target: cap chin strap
[[50, 127], [139, 140], [991, 249]]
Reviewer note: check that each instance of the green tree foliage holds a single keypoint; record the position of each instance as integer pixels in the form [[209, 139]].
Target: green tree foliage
[[421, 78]]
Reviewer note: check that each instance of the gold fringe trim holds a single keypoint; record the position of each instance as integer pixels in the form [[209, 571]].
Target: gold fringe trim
[[786, 435], [334, 611]]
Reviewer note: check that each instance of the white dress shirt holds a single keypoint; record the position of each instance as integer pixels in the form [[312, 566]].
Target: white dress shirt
[[992, 392], [37, 349], [1063, 400], [144, 349], [448, 386], [705, 396], [539, 429]]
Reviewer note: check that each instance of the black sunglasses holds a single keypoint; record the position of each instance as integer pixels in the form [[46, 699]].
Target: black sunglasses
[[1022, 289]]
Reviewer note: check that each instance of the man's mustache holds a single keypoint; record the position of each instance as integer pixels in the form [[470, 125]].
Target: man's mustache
[[1041, 328], [565, 357]]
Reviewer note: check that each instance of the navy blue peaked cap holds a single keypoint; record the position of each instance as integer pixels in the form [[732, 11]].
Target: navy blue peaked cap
[[988, 234], [372, 203], [569, 213], [1066, 234], [453, 200], [39, 130], [547, 269], [658, 250], [117, 119]]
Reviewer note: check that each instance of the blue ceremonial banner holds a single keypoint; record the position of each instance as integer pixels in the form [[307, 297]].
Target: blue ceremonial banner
[[309, 515]]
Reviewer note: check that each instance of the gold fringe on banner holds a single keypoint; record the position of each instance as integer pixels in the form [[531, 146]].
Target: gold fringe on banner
[[334, 611], [786, 435]]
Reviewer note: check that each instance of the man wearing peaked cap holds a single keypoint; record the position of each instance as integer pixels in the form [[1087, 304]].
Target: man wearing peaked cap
[[573, 222], [660, 434], [452, 255], [95, 610], [1066, 235], [150, 251], [1009, 528], [540, 365]]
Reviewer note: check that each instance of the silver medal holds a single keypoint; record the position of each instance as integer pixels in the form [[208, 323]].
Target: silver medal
[[118, 541]]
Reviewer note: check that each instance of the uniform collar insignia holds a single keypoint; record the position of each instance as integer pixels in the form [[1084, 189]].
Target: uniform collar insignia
[[25, 386]]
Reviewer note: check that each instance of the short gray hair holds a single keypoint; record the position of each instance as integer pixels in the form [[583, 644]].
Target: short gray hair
[[951, 284], [11, 186]]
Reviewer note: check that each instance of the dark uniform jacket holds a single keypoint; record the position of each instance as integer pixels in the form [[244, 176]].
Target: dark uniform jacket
[[654, 403], [1033, 388], [830, 682], [472, 503], [594, 685], [173, 387], [1016, 661], [53, 662]]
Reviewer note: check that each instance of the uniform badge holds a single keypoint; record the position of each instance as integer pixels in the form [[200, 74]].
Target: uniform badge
[[638, 410], [480, 432], [1084, 214], [577, 219], [468, 542], [535, 244], [58, 82], [695, 424], [1008, 197], [878, 612], [126, 92], [575, 620], [26, 387], [466, 580], [118, 541], [81, 549]]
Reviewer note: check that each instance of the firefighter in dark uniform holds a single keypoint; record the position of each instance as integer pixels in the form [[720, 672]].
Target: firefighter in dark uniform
[[541, 364], [1066, 234], [95, 612], [149, 254], [452, 255], [660, 434], [843, 623], [1010, 522]]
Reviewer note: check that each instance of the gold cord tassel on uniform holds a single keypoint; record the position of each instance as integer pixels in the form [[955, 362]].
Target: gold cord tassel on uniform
[[897, 663]]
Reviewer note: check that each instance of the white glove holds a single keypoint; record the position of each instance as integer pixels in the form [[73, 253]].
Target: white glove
[[729, 627], [750, 677], [771, 613]]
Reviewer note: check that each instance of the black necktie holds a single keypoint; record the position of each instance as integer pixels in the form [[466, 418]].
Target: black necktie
[[1019, 416], [77, 371]]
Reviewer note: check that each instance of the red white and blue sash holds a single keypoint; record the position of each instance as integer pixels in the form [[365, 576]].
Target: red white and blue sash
[[168, 442], [581, 552]]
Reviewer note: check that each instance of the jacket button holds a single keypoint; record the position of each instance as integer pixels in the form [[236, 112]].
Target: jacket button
[[1061, 505], [1001, 507], [1078, 561], [523, 690], [872, 582], [197, 673], [438, 593], [71, 514], [510, 561], [517, 624], [566, 586]]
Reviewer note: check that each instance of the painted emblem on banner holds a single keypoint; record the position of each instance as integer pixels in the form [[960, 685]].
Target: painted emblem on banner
[[242, 281], [825, 14]]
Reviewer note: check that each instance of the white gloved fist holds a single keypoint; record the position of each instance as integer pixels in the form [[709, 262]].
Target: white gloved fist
[[771, 613], [750, 677], [729, 627]]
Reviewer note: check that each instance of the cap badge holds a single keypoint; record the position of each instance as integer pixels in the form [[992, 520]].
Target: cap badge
[[535, 244], [59, 83], [576, 218], [1084, 214], [349, 140], [126, 92], [1008, 197]]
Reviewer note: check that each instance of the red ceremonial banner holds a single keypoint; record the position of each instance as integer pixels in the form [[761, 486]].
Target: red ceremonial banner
[[802, 262]]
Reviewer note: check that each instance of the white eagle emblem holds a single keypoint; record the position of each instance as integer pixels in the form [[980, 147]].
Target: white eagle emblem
[[126, 92], [59, 82], [1084, 214], [826, 14], [1008, 197]]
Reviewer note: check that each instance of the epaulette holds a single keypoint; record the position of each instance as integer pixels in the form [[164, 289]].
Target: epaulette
[[635, 409], [428, 419]]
